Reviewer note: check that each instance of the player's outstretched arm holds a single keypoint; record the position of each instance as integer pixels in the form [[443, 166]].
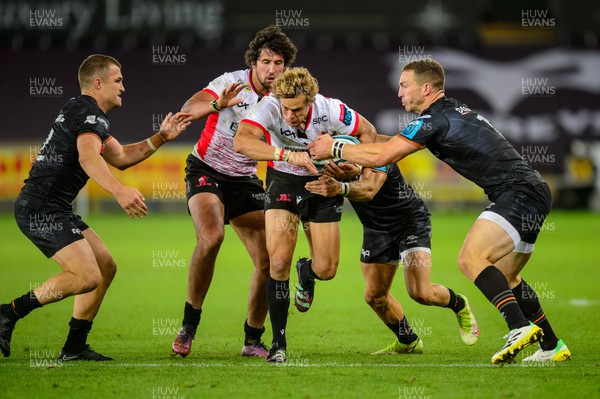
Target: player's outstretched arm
[[373, 155], [129, 198], [199, 105], [122, 157], [363, 190]]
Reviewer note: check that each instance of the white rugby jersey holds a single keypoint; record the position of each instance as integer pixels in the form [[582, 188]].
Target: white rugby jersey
[[325, 116], [215, 146]]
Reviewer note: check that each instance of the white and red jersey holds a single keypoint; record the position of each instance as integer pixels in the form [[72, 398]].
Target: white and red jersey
[[325, 116], [215, 146]]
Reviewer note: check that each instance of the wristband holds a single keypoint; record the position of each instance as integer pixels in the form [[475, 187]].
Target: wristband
[[152, 147], [336, 149], [345, 189], [286, 155], [214, 106]]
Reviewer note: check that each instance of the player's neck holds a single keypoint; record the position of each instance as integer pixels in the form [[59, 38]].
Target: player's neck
[[428, 101], [100, 104]]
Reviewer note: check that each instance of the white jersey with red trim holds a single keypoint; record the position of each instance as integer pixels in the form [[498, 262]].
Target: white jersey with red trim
[[325, 116], [215, 146]]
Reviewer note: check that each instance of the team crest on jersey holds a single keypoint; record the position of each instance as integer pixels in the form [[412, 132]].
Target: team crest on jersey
[[245, 85], [412, 128], [345, 115], [365, 252], [203, 182], [91, 119], [284, 198], [463, 110]]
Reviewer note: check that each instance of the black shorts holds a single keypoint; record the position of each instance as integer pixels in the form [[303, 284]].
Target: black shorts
[[286, 191], [522, 211], [239, 195], [390, 246], [49, 227]]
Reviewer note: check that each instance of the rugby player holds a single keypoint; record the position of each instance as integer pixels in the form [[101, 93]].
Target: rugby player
[[79, 147], [502, 239], [222, 187], [291, 117], [396, 226]]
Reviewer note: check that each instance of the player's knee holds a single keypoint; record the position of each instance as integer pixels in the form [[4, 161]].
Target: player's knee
[[421, 297], [88, 281], [375, 301], [109, 270], [211, 243], [327, 274], [464, 261]]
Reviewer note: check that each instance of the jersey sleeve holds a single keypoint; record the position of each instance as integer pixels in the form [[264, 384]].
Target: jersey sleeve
[[263, 114], [344, 120], [425, 128], [217, 85], [92, 121]]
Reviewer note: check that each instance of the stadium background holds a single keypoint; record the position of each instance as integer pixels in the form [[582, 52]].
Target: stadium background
[[531, 70], [530, 67]]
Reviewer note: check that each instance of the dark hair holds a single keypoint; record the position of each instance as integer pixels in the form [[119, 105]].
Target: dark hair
[[94, 65], [273, 39], [427, 71]]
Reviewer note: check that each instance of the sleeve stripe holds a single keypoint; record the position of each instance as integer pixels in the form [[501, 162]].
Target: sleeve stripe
[[411, 142], [353, 132], [215, 95], [251, 122]]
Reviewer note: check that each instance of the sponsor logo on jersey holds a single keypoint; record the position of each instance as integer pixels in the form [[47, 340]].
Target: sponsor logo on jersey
[[103, 122], [412, 128], [411, 239], [345, 115], [463, 110], [284, 198], [365, 252], [203, 182], [320, 119], [91, 119], [60, 118]]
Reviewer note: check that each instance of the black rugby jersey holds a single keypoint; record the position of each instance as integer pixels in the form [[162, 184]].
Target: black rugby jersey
[[56, 176], [470, 145], [395, 202]]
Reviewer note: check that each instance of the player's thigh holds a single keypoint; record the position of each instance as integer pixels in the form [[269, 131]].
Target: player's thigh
[[417, 269], [485, 244], [281, 230], [79, 259], [250, 227], [325, 240], [103, 256], [378, 278], [207, 212]]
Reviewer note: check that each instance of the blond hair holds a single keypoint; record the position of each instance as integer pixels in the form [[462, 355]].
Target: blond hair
[[295, 82]]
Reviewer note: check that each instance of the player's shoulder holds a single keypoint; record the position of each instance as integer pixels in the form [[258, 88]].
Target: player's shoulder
[[84, 110]]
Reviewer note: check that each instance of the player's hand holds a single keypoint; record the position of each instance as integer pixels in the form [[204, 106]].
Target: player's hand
[[302, 158], [326, 186], [132, 201], [341, 171], [173, 125], [320, 148], [229, 97]]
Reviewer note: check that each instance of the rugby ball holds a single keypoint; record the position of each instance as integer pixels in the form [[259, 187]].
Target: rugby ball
[[320, 164]]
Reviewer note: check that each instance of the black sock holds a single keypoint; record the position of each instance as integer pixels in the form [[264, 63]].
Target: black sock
[[456, 302], [530, 305], [307, 275], [278, 298], [23, 305], [403, 331], [253, 335], [492, 283], [191, 316], [77, 338]]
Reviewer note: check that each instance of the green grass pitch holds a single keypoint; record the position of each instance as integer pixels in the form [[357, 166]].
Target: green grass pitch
[[328, 348]]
